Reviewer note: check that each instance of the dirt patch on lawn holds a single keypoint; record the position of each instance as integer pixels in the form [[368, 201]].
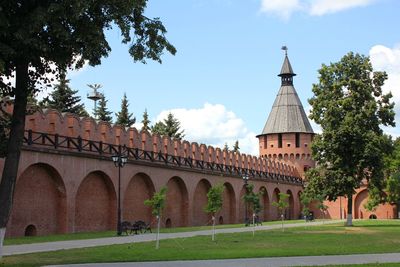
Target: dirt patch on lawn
[[361, 230]]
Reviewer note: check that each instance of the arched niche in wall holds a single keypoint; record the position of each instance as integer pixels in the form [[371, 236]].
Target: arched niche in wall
[[95, 203], [40, 201], [177, 202], [139, 189]]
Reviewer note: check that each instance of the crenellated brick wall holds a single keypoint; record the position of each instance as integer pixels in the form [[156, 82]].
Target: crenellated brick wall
[[67, 124]]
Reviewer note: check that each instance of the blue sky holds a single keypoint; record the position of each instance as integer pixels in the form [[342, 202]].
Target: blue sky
[[222, 82]]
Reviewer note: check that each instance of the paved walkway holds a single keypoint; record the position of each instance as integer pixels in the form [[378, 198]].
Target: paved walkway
[[260, 262], [61, 245]]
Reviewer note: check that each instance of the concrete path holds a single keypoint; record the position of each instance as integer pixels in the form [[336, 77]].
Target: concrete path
[[260, 262], [61, 245]]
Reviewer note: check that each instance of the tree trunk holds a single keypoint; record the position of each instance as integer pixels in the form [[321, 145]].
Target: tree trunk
[[213, 228], [349, 221], [254, 224], [2, 234], [9, 176], [158, 233]]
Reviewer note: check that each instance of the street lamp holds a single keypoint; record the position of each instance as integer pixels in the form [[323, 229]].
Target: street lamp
[[119, 161], [245, 180]]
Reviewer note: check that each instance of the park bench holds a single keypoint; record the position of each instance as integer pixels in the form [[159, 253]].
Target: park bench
[[135, 227], [142, 226]]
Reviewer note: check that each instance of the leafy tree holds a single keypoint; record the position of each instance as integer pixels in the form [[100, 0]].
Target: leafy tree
[[391, 193], [5, 124], [101, 111], [252, 200], [64, 99], [157, 203], [305, 200], [170, 127], [37, 34], [146, 121], [214, 203], [321, 206], [282, 204], [395, 156], [236, 147], [393, 188], [124, 117], [350, 107]]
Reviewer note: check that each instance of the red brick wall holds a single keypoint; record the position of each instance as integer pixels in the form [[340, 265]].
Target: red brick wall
[[289, 214], [241, 205], [139, 189], [385, 211], [265, 205], [200, 217], [300, 157], [95, 204], [177, 203], [229, 205], [360, 198], [88, 199], [40, 201], [274, 210]]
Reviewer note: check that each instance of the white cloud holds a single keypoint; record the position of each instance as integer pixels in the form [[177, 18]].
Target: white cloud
[[214, 125], [281, 8], [322, 7], [285, 9], [388, 59]]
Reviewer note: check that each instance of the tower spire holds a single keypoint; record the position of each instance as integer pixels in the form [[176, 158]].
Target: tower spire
[[287, 114], [286, 71], [284, 48]]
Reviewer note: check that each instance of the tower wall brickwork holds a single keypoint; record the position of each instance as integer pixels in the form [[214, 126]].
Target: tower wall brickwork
[[289, 150]]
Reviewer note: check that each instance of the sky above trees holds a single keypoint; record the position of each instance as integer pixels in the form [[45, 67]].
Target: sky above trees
[[222, 82]]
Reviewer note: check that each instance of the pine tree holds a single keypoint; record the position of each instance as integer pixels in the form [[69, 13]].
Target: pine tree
[[226, 147], [63, 99], [172, 127], [146, 121], [124, 118], [236, 147], [169, 127], [101, 112]]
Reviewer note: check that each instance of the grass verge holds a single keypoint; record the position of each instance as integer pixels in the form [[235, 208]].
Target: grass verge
[[365, 237], [93, 235]]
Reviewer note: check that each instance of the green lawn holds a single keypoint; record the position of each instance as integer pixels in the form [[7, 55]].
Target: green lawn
[[365, 237], [92, 235]]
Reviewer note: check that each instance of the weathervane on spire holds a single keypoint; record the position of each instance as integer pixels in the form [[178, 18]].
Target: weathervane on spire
[[284, 48]]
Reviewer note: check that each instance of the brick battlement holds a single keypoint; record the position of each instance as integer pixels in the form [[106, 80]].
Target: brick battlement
[[66, 124]]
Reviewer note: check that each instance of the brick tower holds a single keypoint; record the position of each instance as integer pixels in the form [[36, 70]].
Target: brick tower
[[287, 134]]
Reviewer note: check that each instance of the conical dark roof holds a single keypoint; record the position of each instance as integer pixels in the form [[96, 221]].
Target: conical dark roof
[[286, 68], [287, 114]]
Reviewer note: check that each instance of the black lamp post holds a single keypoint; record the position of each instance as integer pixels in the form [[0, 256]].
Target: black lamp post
[[119, 161], [245, 180]]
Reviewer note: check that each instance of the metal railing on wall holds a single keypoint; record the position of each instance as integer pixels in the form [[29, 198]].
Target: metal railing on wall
[[90, 147]]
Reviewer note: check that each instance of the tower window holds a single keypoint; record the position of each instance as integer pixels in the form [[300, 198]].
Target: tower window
[[297, 139], [279, 140], [265, 142]]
